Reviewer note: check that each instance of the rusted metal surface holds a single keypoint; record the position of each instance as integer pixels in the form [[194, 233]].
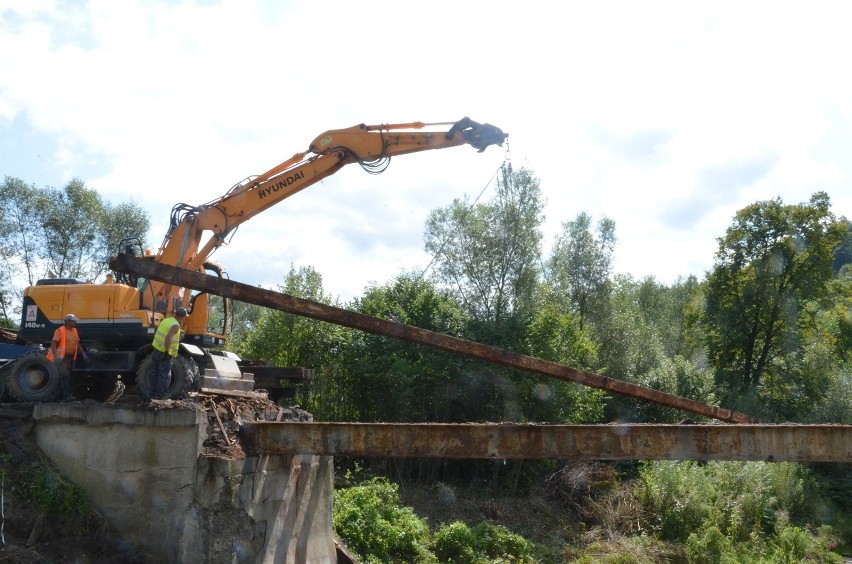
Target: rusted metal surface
[[772, 443], [272, 376], [307, 308]]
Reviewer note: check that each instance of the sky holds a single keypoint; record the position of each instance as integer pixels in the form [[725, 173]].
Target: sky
[[666, 117]]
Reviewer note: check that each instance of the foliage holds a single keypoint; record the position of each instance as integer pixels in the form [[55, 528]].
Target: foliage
[[48, 489], [791, 545], [580, 265], [624, 550], [771, 261], [629, 343], [487, 254], [554, 334], [374, 525], [484, 543], [843, 252], [679, 377], [644, 336], [67, 233], [723, 509], [292, 340], [399, 381]]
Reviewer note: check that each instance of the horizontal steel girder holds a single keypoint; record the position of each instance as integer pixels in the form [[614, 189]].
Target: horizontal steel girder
[[771, 443]]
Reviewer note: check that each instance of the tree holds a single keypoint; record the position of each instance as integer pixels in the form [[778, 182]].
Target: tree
[[843, 253], [771, 261], [286, 339], [554, 334], [400, 381], [68, 233], [487, 254], [23, 206], [580, 264], [667, 310]]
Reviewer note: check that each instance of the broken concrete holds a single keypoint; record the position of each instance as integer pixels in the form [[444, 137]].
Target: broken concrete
[[145, 470]]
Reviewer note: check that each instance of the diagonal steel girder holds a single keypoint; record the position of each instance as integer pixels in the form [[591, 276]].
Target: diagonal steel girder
[[770, 443], [298, 306]]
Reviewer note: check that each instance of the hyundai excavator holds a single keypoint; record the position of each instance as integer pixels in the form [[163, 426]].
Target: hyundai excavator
[[118, 318]]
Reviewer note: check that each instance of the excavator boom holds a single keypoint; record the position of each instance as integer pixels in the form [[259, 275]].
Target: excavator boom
[[197, 231]]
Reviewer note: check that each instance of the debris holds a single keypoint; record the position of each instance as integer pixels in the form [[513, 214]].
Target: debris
[[227, 413], [221, 426]]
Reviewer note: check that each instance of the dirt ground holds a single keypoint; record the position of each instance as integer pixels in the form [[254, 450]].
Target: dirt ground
[[31, 535]]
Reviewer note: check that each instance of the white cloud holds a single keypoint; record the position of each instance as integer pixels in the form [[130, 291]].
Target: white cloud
[[663, 116]]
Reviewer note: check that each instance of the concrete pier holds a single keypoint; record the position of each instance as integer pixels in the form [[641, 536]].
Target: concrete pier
[[144, 470]]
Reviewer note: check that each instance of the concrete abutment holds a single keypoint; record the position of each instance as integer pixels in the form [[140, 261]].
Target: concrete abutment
[[145, 471]]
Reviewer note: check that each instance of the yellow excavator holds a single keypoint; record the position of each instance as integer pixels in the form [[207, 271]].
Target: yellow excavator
[[118, 318]]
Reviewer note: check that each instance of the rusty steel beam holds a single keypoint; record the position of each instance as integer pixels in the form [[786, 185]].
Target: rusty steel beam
[[315, 310], [771, 443]]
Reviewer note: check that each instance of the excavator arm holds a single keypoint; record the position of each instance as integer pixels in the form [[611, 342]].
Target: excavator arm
[[196, 232]]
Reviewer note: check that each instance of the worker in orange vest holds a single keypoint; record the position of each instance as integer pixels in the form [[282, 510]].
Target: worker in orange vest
[[63, 352]]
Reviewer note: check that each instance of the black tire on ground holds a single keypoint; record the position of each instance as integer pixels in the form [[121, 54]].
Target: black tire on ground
[[184, 375], [34, 378]]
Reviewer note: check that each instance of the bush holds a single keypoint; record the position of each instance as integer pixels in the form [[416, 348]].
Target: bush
[[454, 543], [732, 512], [484, 543], [47, 488], [371, 521]]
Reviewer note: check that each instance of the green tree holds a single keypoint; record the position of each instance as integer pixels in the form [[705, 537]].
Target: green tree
[[771, 261], [67, 233], [667, 309], [287, 339], [23, 206], [843, 253], [487, 254], [244, 320], [400, 381], [292, 340], [580, 264], [554, 334]]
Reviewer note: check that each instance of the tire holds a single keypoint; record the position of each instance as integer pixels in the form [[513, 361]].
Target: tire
[[184, 375], [34, 378]]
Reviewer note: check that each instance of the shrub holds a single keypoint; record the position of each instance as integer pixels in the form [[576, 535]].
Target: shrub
[[457, 543], [51, 492], [707, 547], [454, 543], [371, 520], [732, 512]]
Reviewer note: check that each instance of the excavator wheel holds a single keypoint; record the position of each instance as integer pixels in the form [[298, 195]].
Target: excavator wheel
[[34, 378], [184, 376]]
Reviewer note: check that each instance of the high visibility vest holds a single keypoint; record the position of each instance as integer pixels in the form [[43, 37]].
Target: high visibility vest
[[160, 336], [60, 348]]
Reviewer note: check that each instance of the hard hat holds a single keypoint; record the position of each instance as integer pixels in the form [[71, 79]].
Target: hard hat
[[181, 312], [71, 317]]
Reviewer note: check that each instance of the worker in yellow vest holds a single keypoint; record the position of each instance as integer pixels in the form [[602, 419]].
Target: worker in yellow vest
[[166, 342], [63, 352]]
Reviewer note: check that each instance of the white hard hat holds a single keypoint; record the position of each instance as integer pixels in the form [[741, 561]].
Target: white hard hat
[[71, 317]]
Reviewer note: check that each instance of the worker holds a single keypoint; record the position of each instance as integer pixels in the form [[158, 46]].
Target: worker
[[166, 341], [63, 352]]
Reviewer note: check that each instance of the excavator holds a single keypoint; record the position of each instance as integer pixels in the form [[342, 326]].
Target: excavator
[[118, 318]]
